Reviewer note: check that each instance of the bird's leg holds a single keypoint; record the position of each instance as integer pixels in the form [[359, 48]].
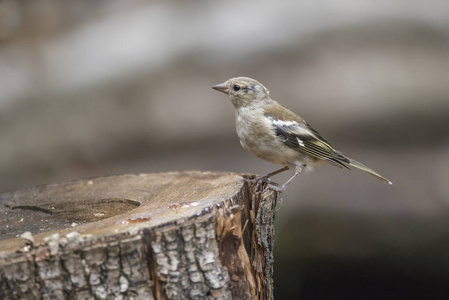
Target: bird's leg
[[276, 172], [283, 187], [265, 178]]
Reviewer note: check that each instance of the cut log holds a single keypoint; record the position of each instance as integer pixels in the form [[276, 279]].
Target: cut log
[[181, 235]]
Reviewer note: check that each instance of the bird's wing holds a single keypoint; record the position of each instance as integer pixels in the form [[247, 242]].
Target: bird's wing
[[300, 136]]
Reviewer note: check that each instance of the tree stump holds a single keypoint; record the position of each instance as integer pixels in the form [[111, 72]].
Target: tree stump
[[181, 235]]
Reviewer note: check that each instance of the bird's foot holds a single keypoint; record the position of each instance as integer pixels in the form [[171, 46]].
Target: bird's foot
[[279, 190], [279, 203], [263, 178], [256, 182]]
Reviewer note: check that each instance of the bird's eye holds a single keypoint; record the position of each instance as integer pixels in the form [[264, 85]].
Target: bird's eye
[[236, 87]]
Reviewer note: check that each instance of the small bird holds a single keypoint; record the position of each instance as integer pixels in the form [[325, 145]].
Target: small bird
[[275, 134]]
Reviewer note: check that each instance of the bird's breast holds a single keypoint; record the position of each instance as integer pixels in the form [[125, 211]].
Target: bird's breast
[[257, 136]]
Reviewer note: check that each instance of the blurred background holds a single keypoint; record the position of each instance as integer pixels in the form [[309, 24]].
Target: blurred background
[[96, 88]]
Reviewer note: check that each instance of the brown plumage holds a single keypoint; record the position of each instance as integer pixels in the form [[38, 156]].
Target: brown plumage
[[274, 133]]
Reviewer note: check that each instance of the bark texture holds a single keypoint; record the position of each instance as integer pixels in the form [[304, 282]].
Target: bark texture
[[189, 235]]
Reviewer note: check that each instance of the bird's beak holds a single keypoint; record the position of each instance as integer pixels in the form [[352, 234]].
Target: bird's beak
[[221, 88]]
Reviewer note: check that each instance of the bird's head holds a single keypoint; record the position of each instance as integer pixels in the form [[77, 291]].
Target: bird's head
[[243, 91]]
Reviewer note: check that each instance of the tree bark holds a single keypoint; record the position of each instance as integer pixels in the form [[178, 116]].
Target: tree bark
[[183, 235]]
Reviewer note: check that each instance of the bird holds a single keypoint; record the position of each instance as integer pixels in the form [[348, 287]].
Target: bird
[[275, 134]]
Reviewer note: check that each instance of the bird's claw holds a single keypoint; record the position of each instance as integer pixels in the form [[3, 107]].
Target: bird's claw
[[279, 190], [256, 182], [264, 179], [279, 203], [274, 188]]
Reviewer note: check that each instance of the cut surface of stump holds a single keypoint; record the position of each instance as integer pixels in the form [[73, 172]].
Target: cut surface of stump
[[179, 235]]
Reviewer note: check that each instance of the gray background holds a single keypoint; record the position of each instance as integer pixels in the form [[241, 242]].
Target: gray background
[[95, 88]]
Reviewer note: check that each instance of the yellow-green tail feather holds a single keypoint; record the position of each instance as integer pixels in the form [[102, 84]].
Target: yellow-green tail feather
[[362, 167]]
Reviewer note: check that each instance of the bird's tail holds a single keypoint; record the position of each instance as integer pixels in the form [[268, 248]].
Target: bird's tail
[[362, 167]]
